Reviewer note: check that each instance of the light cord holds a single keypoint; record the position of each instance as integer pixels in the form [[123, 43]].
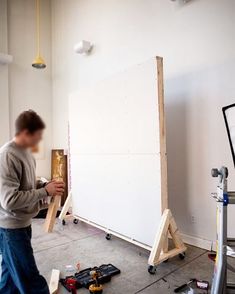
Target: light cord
[[38, 25]]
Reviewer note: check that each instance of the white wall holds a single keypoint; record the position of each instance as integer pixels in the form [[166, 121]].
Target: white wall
[[4, 89], [198, 45], [30, 88]]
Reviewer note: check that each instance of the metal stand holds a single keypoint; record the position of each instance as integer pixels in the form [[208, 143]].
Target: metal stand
[[223, 198]]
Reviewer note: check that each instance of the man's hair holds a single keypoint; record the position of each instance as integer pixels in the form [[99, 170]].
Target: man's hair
[[29, 120]]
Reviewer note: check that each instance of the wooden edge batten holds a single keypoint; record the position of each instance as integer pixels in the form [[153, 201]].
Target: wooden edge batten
[[162, 133], [162, 139]]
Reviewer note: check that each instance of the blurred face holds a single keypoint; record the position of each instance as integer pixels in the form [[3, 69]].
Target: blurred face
[[29, 140]]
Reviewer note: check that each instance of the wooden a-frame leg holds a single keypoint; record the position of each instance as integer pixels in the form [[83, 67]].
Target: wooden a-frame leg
[[165, 248], [67, 205], [160, 238], [159, 251]]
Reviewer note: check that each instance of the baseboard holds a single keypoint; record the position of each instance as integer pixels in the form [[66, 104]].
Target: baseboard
[[198, 242]]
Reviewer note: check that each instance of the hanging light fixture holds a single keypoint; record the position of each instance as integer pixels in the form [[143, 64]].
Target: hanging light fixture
[[38, 61]]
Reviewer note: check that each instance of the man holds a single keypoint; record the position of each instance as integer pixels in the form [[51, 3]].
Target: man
[[21, 198]]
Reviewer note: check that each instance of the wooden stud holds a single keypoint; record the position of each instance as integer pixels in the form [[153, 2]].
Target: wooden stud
[[162, 140], [54, 282], [162, 128], [51, 214], [52, 211], [167, 226]]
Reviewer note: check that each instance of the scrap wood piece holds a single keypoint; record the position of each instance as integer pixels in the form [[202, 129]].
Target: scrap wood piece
[[159, 252], [51, 214], [52, 211], [54, 282]]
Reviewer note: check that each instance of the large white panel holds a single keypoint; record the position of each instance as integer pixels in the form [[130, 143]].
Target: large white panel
[[119, 192], [118, 115], [114, 129]]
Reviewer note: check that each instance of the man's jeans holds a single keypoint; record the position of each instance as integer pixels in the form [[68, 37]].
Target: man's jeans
[[19, 271]]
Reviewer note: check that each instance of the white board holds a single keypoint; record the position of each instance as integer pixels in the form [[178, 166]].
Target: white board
[[115, 153]]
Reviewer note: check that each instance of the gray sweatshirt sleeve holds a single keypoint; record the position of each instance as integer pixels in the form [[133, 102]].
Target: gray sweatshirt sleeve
[[11, 197], [40, 184]]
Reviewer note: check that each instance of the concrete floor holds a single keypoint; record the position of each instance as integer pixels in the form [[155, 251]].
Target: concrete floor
[[72, 243]]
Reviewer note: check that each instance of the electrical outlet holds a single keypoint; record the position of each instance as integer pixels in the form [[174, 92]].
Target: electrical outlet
[[193, 219]]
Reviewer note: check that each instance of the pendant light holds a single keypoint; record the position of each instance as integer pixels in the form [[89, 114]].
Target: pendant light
[[38, 62]]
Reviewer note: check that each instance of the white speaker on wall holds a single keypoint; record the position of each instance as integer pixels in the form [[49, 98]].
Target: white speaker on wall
[[5, 58], [83, 47], [184, 1]]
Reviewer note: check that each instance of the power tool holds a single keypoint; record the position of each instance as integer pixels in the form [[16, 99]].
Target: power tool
[[71, 285], [84, 278], [203, 285], [96, 288]]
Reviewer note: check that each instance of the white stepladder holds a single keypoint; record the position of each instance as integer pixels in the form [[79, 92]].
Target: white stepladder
[[223, 198]]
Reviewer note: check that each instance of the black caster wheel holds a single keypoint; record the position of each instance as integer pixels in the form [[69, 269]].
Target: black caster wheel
[[152, 270], [165, 261], [182, 256], [108, 237], [63, 222], [75, 221]]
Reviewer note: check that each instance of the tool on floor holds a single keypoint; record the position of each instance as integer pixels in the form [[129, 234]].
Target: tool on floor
[[84, 278], [189, 291], [223, 199], [71, 284], [212, 256], [184, 286], [70, 270], [78, 266], [95, 288], [203, 285]]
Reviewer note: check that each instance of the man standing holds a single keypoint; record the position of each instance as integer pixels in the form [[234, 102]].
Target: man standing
[[21, 198]]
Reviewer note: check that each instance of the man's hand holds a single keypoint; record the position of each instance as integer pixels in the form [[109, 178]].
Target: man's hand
[[55, 188]]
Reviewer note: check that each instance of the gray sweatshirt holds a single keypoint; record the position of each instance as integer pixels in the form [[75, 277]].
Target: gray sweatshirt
[[20, 194]]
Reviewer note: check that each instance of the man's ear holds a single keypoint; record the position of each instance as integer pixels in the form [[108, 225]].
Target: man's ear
[[26, 132]]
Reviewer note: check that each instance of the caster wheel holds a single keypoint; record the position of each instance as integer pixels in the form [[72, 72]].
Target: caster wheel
[[75, 221], [152, 270], [108, 237], [182, 256], [165, 261], [63, 222]]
